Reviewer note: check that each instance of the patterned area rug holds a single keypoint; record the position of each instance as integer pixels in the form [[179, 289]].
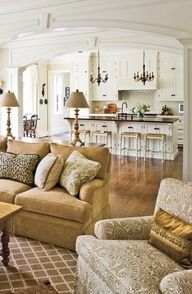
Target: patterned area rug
[[32, 263]]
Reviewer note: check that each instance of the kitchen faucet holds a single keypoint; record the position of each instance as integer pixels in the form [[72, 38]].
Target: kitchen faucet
[[124, 103]]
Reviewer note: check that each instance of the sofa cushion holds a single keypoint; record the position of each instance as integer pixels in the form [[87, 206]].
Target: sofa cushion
[[124, 265], [99, 154], [173, 237], [20, 147], [9, 189], [19, 167], [55, 202], [48, 171], [77, 171]]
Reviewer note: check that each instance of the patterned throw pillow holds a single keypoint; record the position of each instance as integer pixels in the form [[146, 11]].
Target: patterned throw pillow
[[77, 171], [172, 236], [6, 161], [23, 168], [48, 171], [19, 167]]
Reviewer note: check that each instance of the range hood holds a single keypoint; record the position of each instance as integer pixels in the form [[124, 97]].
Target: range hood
[[130, 84]]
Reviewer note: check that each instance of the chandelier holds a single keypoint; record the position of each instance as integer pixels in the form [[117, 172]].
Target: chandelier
[[144, 76], [99, 78]]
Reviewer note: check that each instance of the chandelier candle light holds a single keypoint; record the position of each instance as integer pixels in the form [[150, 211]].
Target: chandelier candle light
[[145, 76], [99, 78]]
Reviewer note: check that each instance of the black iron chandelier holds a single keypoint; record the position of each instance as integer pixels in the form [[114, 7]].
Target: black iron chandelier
[[144, 76], [99, 78]]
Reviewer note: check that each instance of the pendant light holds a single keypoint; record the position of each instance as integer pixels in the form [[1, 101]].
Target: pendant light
[[99, 78], [144, 76]]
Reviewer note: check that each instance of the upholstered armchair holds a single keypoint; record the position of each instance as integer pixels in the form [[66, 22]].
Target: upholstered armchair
[[119, 258]]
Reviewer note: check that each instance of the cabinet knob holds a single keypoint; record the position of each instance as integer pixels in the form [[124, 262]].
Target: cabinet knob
[[173, 95], [172, 68], [130, 127], [104, 95], [156, 129]]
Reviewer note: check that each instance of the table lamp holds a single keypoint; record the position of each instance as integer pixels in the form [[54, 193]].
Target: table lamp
[[77, 100], [9, 100]]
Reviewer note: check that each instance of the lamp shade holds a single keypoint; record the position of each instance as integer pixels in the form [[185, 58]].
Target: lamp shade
[[9, 100], [77, 100]]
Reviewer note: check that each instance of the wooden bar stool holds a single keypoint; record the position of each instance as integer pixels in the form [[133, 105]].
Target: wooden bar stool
[[106, 137], [85, 134], [155, 137], [130, 136]]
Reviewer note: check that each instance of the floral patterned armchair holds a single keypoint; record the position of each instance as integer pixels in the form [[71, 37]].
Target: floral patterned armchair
[[119, 259]]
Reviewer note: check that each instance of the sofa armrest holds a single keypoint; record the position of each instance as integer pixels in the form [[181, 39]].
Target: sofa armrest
[[178, 282], [88, 189], [133, 228]]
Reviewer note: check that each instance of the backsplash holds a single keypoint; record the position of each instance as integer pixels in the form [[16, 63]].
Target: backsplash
[[134, 97]]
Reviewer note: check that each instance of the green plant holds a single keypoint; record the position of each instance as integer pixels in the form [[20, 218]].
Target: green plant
[[141, 108]]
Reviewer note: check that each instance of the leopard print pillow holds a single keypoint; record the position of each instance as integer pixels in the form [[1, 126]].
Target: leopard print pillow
[[6, 160], [18, 167]]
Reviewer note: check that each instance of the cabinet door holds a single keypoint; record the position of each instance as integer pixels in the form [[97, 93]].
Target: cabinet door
[[170, 86], [171, 63], [81, 83], [107, 90]]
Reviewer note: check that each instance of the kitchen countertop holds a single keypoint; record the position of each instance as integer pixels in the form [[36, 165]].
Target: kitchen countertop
[[127, 119]]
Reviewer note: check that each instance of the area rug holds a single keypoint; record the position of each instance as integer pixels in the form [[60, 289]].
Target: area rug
[[33, 263]]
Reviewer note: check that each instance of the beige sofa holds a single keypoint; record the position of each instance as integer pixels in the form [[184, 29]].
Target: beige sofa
[[55, 216], [119, 259]]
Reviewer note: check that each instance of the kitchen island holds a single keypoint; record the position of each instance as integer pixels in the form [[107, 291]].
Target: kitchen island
[[128, 123]]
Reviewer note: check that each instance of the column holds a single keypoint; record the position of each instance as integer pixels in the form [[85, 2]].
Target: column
[[187, 150], [15, 83]]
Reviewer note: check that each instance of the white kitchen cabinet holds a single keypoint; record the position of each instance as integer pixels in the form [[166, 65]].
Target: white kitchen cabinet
[[180, 127], [82, 82], [133, 63], [105, 91], [170, 78], [180, 131], [81, 77]]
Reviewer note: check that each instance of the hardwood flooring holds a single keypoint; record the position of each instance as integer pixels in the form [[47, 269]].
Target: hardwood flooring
[[134, 184]]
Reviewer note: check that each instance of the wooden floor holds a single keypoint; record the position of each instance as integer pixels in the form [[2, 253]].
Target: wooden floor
[[134, 184]]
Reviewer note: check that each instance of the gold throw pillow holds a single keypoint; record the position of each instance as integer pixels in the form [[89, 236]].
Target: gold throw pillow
[[172, 236]]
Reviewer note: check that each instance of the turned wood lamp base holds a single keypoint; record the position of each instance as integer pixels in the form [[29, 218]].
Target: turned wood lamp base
[[76, 132], [9, 134]]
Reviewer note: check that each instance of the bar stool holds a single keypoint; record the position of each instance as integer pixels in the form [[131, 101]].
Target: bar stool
[[154, 137], [106, 137], [85, 134], [136, 136]]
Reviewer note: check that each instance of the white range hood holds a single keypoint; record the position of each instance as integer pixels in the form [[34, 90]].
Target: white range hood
[[130, 84]]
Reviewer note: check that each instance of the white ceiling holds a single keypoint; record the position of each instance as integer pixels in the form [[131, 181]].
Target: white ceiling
[[57, 27]]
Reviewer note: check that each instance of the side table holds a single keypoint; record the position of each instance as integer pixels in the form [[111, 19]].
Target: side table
[[7, 211]]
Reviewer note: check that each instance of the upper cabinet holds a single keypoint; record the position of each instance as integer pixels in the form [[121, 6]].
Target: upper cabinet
[[108, 90], [170, 78], [133, 63], [82, 77]]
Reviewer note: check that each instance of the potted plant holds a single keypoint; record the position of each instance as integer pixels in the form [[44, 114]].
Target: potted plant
[[140, 109]]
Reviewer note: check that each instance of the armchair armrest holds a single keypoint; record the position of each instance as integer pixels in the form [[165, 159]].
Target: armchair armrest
[[178, 282], [133, 228], [88, 189]]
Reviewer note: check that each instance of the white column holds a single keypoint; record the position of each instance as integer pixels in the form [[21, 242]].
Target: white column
[[16, 85], [187, 151]]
